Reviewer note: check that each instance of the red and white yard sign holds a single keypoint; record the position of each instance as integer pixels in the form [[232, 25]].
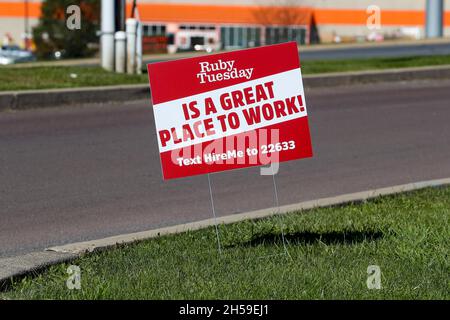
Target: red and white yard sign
[[230, 110]]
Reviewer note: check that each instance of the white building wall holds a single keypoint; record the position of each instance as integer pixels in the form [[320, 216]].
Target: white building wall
[[331, 4], [328, 31], [15, 25]]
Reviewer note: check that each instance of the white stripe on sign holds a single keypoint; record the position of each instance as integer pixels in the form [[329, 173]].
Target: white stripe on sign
[[285, 86]]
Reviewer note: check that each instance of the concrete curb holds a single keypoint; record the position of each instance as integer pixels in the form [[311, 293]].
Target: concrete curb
[[28, 99], [403, 74], [15, 267], [90, 246]]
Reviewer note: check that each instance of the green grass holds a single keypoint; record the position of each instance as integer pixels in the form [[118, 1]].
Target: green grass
[[329, 249], [60, 77], [312, 67]]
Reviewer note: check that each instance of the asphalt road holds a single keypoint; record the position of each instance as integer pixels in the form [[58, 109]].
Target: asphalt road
[[383, 50], [87, 172], [374, 51], [371, 50]]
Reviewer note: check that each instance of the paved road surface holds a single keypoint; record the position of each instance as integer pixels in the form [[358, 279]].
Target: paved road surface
[[306, 53], [363, 52], [88, 172], [366, 51], [377, 52]]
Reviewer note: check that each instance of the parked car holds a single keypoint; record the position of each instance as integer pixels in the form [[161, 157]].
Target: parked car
[[10, 54]]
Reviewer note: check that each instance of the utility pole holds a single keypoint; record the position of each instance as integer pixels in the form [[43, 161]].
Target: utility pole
[[131, 28], [120, 38], [133, 9], [107, 34], [119, 49], [120, 15], [434, 19], [26, 26]]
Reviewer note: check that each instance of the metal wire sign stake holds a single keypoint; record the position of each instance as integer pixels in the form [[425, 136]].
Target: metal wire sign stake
[[219, 247]]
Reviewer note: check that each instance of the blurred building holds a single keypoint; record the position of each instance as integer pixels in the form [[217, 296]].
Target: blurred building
[[177, 25]]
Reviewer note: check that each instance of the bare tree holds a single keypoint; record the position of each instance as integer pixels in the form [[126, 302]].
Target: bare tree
[[285, 16], [283, 12]]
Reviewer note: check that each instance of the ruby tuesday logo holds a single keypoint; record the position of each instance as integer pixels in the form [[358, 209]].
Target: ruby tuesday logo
[[221, 70]]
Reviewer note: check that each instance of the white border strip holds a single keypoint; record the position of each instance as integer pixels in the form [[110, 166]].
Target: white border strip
[[89, 246], [170, 114]]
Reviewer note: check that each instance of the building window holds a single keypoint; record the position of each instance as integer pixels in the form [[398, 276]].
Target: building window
[[170, 38], [150, 30], [239, 37], [197, 27], [283, 34]]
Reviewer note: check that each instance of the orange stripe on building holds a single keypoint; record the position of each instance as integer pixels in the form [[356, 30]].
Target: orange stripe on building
[[185, 13], [224, 14], [359, 17], [17, 9], [252, 15]]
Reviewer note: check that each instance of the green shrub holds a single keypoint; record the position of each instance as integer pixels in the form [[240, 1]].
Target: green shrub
[[52, 34]]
